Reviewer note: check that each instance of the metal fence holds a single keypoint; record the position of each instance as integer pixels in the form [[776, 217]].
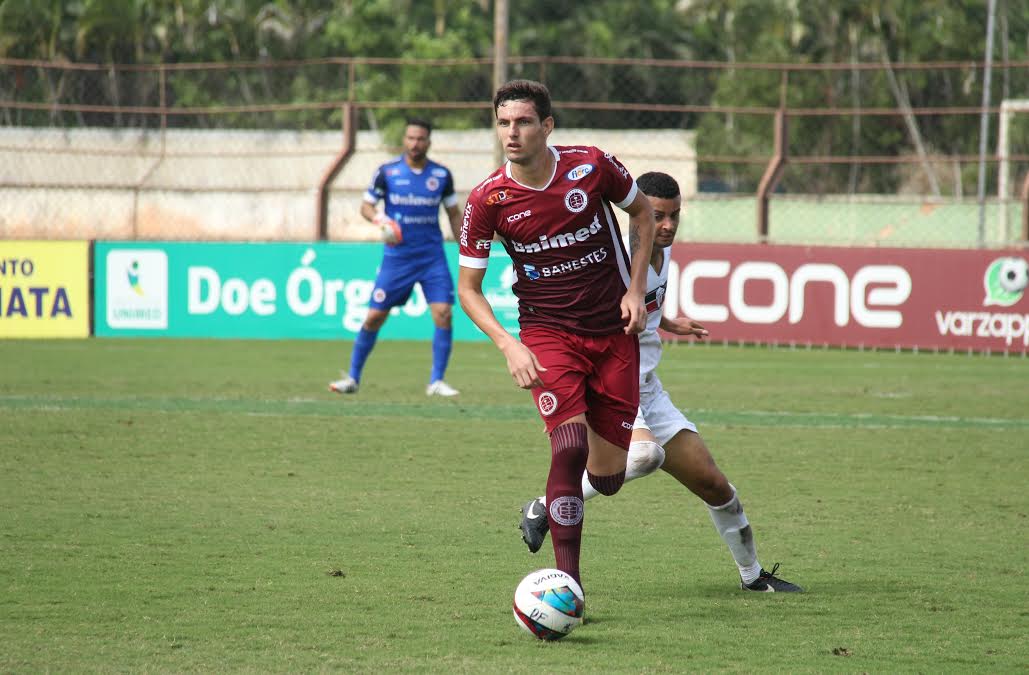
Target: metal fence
[[868, 154]]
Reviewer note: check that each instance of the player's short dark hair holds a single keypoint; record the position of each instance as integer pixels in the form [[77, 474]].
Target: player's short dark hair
[[420, 122], [657, 184], [525, 90]]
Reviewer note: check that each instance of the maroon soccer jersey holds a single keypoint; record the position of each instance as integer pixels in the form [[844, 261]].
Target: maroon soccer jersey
[[570, 264]]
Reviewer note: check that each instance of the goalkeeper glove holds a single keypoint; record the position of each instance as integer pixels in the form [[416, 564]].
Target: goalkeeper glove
[[389, 229]]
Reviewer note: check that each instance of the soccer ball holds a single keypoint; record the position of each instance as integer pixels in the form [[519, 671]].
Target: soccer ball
[[548, 603], [1014, 274]]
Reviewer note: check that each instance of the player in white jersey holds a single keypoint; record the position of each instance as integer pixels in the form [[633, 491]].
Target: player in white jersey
[[662, 436]]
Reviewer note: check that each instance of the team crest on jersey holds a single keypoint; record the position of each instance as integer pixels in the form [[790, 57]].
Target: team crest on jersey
[[496, 197], [580, 171], [547, 403], [432, 183], [655, 299], [576, 200]]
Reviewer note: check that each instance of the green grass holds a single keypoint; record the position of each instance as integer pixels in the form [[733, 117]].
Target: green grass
[[176, 506]]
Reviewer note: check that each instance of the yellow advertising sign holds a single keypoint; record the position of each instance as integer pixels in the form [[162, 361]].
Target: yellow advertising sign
[[44, 289]]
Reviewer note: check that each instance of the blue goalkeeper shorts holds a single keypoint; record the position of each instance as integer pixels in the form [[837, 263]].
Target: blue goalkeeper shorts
[[397, 277]]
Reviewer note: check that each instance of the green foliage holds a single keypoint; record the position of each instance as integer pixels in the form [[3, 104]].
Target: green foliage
[[206, 506], [891, 32], [810, 31], [35, 29]]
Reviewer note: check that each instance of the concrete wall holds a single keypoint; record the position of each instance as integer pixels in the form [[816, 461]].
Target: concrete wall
[[242, 185]]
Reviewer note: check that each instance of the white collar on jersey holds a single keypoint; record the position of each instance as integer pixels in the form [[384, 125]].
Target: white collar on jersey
[[557, 160]]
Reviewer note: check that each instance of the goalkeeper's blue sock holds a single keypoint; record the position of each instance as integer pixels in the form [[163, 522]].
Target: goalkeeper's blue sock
[[442, 341], [363, 345]]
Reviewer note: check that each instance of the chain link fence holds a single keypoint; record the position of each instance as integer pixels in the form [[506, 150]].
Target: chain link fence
[[845, 154]]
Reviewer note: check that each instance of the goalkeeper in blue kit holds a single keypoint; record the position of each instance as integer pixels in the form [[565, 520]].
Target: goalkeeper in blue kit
[[412, 188]]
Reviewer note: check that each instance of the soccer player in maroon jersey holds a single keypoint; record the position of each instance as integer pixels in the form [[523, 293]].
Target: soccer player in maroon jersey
[[580, 297], [662, 436]]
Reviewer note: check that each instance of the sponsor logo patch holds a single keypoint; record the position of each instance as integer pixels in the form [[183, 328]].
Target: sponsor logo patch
[[518, 216], [580, 171], [1005, 281], [137, 289], [411, 199], [560, 240], [496, 197], [600, 255]]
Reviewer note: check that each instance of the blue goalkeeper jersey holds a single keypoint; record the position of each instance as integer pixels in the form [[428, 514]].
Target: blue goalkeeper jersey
[[412, 198]]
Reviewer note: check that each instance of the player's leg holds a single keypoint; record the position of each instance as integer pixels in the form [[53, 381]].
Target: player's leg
[[605, 468], [569, 443], [438, 287], [393, 286], [609, 368], [364, 342], [442, 344], [688, 460], [612, 404], [561, 403], [645, 457], [576, 446]]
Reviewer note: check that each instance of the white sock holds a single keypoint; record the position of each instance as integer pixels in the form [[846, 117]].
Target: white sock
[[734, 529], [645, 457]]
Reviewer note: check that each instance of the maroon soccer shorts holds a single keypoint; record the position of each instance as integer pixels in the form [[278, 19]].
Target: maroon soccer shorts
[[594, 374]]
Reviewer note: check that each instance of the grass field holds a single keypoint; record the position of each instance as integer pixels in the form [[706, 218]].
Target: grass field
[[206, 506]]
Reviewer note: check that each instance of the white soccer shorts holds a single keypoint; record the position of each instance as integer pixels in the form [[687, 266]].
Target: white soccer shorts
[[657, 412]]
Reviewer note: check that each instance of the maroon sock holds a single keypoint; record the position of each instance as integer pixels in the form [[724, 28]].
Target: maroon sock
[[606, 485], [569, 450]]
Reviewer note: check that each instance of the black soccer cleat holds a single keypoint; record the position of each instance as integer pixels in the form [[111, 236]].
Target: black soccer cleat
[[534, 524], [767, 582]]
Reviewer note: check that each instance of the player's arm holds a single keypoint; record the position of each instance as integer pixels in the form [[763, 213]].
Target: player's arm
[[454, 215], [683, 325], [368, 211], [389, 229], [641, 244], [521, 362], [452, 206]]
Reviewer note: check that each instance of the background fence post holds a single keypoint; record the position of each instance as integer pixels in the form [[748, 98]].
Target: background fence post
[[341, 159], [1025, 208], [772, 174], [145, 177]]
